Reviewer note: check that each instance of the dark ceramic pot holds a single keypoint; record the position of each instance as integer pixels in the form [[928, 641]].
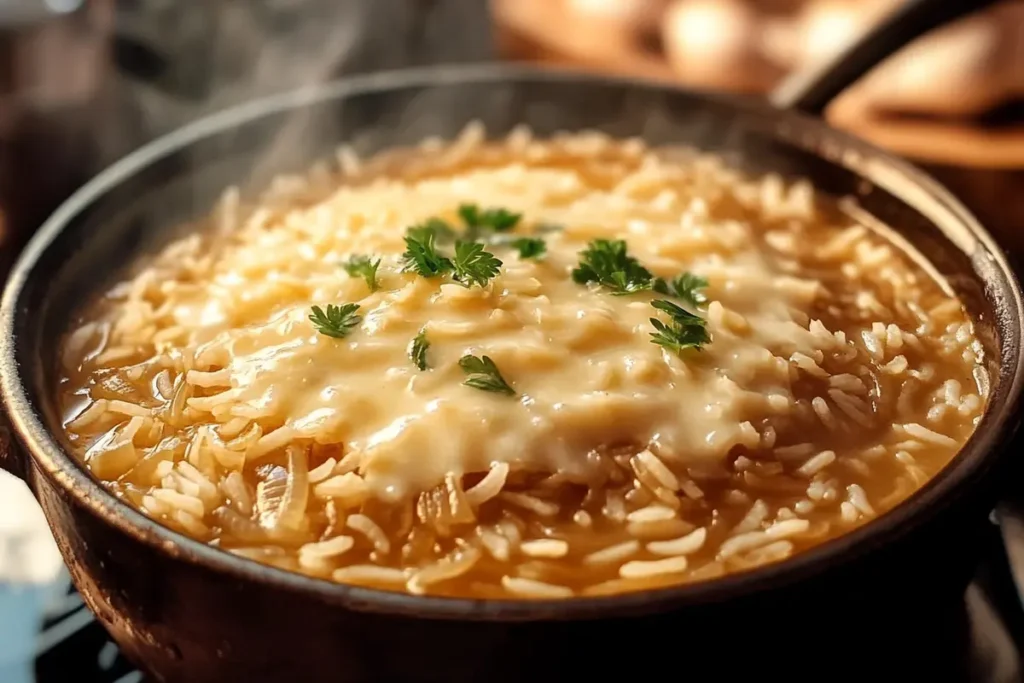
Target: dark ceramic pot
[[187, 612]]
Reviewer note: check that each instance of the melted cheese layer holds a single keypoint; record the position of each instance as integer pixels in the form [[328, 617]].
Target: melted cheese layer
[[581, 361]]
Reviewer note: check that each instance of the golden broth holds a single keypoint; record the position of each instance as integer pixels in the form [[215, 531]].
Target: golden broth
[[837, 380]]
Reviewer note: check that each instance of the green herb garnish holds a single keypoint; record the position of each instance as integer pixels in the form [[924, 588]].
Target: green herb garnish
[[473, 265], [441, 230], [418, 350], [479, 221], [336, 321], [484, 375], [607, 263], [421, 254], [364, 267], [688, 287], [684, 331], [529, 247]]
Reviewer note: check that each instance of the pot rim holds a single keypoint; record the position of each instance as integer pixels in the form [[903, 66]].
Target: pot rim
[[898, 177]]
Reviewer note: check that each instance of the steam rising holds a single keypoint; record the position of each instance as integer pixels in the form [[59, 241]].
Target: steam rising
[[218, 53], [94, 84]]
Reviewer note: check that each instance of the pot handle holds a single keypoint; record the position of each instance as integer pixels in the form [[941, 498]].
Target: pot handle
[[813, 89]]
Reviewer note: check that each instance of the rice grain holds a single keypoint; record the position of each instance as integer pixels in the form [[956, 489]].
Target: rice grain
[[684, 545], [641, 569]]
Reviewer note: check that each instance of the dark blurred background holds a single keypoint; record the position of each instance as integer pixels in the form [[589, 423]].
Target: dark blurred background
[[82, 82]]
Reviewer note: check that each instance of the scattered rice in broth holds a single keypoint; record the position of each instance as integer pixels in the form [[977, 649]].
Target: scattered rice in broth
[[839, 377]]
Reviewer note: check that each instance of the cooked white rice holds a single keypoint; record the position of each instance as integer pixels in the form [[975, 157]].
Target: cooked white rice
[[838, 377]]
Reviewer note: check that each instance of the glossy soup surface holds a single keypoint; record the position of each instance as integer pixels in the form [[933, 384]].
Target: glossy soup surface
[[524, 368]]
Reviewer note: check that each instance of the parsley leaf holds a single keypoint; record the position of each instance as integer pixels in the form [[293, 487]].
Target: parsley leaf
[[487, 220], [484, 375], [421, 253], [336, 321], [473, 265], [685, 331], [529, 247], [688, 287], [442, 232], [607, 263], [418, 350], [364, 267]]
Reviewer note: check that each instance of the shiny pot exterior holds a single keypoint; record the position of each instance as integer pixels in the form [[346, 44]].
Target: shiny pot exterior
[[188, 612]]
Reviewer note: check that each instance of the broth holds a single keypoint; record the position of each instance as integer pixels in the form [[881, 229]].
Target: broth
[[809, 376]]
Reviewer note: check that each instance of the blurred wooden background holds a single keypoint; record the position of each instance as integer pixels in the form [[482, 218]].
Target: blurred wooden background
[[953, 98], [953, 102]]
